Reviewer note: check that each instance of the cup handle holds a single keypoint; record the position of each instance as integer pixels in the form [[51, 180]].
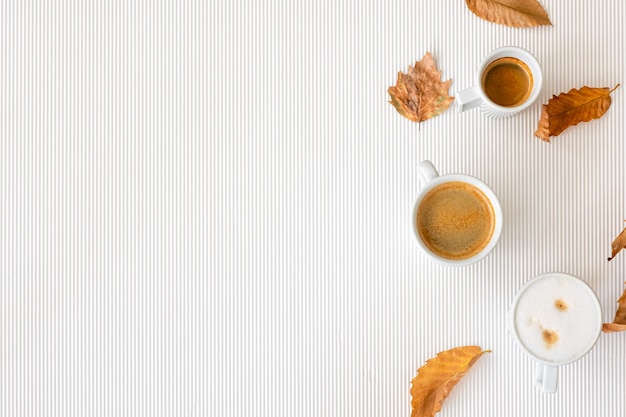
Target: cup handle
[[427, 171], [546, 377], [468, 99]]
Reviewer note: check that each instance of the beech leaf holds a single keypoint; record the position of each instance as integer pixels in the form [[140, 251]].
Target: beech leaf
[[619, 322], [514, 13], [618, 244], [420, 94], [434, 380], [569, 109]]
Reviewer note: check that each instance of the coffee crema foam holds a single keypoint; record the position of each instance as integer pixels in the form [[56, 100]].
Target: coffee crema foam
[[507, 82], [556, 319], [455, 220]]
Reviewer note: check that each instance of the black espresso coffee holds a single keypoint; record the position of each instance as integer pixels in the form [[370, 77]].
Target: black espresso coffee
[[507, 81], [455, 220]]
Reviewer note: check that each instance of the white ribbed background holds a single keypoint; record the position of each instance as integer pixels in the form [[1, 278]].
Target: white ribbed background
[[205, 208]]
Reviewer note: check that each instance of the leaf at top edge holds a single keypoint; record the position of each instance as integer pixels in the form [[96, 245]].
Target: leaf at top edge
[[513, 13]]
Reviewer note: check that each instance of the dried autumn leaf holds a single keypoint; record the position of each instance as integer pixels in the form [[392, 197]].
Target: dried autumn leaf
[[613, 327], [619, 322], [571, 108], [514, 13], [420, 94], [618, 244], [434, 381]]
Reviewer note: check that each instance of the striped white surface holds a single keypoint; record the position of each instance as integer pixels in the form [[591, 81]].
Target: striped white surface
[[205, 208]]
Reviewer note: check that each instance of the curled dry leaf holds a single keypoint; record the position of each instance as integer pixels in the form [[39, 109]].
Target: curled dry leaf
[[420, 94], [569, 109], [514, 13], [618, 244], [438, 376], [619, 322]]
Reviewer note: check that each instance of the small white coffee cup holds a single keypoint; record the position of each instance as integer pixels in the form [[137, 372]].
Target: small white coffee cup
[[478, 95], [432, 182], [556, 319]]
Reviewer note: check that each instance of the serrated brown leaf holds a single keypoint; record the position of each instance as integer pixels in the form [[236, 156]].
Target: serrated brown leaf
[[618, 244], [514, 13], [619, 322], [434, 381], [420, 94], [569, 109]]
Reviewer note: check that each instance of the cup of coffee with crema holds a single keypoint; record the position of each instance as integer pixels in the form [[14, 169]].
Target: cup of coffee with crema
[[556, 319], [457, 218], [508, 80]]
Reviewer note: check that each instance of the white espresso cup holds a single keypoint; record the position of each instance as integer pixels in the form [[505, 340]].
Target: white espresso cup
[[556, 319], [457, 218], [508, 80]]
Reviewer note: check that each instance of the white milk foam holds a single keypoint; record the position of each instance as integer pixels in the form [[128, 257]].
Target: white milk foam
[[557, 318]]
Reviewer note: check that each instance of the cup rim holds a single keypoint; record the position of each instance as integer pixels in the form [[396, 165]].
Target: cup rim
[[493, 199], [524, 288], [529, 59]]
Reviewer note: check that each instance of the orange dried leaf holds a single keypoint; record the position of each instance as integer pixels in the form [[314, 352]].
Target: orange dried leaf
[[514, 13], [618, 244], [420, 94], [571, 108], [619, 322], [613, 327], [434, 381]]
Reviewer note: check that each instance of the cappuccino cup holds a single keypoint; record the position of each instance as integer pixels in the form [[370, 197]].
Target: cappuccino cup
[[555, 319], [508, 80], [457, 218]]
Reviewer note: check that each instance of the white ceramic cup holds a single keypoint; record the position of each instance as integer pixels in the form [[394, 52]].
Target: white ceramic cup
[[431, 179], [556, 319], [475, 96]]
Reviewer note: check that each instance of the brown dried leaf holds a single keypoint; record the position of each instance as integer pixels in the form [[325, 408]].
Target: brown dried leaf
[[434, 381], [618, 244], [571, 108], [619, 322], [514, 13], [420, 94]]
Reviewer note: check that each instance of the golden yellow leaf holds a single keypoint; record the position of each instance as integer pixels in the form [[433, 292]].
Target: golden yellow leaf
[[619, 322], [618, 244], [571, 108], [420, 94], [434, 381], [514, 13]]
